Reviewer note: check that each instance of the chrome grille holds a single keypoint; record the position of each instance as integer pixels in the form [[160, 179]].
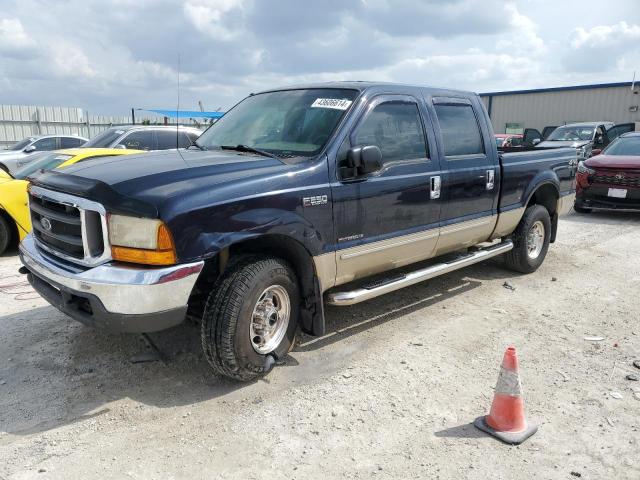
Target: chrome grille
[[69, 227]]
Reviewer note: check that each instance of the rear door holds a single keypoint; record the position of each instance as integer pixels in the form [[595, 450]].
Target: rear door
[[617, 130], [470, 173], [387, 218]]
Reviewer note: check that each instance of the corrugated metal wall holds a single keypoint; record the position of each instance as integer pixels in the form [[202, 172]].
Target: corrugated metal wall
[[20, 121], [537, 110]]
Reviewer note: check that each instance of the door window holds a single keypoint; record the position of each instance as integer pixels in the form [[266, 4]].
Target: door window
[[45, 144], [70, 142], [166, 139], [615, 132], [460, 130], [396, 129], [142, 140]]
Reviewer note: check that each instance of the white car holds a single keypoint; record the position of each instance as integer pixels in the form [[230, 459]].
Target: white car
[[21, 153]]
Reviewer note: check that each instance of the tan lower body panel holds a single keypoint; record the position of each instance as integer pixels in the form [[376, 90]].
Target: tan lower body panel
[[465, 234], [565, 203], [507, 222], [362, 261]]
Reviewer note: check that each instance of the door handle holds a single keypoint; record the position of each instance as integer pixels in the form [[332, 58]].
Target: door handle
[[491, 178], [435, 188]]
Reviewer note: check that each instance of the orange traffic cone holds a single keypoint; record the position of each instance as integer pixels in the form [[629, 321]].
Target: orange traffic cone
[[506, 420]]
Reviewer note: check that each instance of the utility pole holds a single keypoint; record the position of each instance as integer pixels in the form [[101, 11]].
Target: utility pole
[[133, 116]]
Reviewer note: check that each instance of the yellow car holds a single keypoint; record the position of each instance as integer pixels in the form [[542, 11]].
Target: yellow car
[[14, 212]]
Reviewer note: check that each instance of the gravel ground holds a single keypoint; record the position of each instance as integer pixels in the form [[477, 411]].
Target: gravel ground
[[390, 392]]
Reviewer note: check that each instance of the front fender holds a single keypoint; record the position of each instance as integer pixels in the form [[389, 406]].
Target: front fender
[[205, 232]]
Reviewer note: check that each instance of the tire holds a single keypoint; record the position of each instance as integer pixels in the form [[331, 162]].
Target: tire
[[580, 209], [521, 258], [5, 234], [231, 342]]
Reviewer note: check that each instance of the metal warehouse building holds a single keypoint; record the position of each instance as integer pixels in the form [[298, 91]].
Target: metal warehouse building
[[511, 112]]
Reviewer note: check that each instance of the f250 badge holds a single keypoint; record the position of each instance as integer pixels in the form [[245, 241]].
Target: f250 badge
[[314, 201]]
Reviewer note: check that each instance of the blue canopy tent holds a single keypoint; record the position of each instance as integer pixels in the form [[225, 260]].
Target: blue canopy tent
[[185, 113]]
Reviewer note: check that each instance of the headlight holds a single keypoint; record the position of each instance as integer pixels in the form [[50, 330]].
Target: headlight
[[584, 151], [582, 168], [140, 240]]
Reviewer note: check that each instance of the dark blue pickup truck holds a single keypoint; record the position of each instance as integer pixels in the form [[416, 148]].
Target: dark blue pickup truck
[[332, 193]]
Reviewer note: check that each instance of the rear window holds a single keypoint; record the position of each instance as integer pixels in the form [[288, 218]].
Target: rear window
[[460, 130]]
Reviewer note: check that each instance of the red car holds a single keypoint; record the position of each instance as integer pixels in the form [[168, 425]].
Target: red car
[[611, 180]]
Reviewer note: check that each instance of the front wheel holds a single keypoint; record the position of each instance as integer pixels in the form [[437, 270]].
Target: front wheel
[[5, 234], [530, 240], [251, 315]]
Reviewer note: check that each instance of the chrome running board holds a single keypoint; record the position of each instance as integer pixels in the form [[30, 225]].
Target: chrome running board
[[380, 287]]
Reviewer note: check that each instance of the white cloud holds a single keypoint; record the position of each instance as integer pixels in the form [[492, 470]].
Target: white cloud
[[523, 36], [13, 38], [208, 16], [605, 35], [69, 61], [109, 55]]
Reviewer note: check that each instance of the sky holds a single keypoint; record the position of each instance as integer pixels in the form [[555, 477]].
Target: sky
[[108, 56]]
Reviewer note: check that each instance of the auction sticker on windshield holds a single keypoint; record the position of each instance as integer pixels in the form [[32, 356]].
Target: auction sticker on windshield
[[336, 103]]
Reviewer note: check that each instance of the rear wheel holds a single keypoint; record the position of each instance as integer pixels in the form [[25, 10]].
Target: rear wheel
[[250, 319], [530, 240], [5, 234]]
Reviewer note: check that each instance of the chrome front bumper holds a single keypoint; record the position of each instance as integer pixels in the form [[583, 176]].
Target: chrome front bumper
[[116, 297]]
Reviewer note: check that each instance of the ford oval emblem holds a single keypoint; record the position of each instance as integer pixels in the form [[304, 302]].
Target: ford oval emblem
[[46, 223]]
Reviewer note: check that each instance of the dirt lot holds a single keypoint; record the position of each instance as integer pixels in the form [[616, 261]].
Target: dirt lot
[[389, 393]]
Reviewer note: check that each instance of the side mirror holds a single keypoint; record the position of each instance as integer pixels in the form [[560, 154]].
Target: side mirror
[[361, 161], [599, 140], [535, 141], [29, 149], [596, 151], [120, 146]]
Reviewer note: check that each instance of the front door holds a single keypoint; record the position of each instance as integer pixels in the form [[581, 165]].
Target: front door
[[470, 179], [388, 218]]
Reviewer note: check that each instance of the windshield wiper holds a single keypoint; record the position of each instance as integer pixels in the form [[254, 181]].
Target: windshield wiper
[[246, 148]]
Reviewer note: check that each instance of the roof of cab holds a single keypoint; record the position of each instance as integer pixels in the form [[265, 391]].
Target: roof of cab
[[378, 86]]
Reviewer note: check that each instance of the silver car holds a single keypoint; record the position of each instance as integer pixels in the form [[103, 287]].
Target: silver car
[[145, 137], [22, 152]]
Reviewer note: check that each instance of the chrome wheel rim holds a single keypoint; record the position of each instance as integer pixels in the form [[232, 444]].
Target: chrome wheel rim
[[535, 240], [270, 319]]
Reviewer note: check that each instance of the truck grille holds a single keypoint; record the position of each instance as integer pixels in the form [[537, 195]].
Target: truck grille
[[622, 179], [69, 227]]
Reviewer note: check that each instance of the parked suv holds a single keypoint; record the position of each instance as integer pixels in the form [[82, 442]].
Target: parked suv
[[299, 195], [611, 180], [20, 154], [141, 137]]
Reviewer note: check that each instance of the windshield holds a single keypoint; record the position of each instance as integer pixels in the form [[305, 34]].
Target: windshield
[[104, 139], [45, 161], [624, 146], [571, 134], [21, 144], [290, 123]]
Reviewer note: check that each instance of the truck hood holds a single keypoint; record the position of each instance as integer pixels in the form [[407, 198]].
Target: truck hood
[[614, 161], [145, 184], [557, 144]]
